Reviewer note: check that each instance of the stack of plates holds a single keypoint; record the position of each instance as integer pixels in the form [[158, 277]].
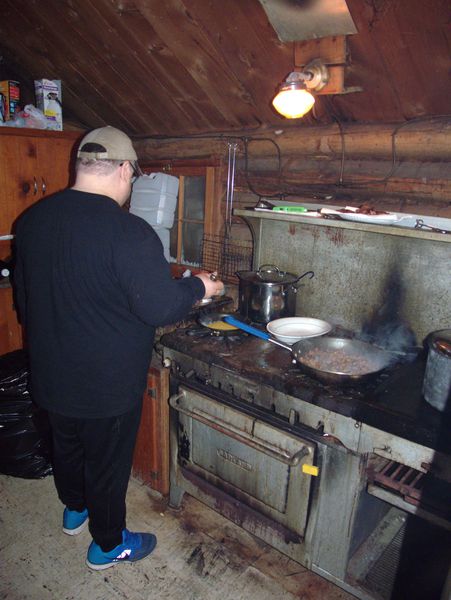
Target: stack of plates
[[293, 329]]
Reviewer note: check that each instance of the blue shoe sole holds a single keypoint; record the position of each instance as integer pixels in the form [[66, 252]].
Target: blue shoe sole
[[102, 566], [77, 530]]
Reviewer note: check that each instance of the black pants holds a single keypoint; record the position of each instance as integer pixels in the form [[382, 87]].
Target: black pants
[[92, 461]]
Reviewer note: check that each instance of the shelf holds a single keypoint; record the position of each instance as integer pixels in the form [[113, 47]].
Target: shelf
[[74, 134], [341, 224]]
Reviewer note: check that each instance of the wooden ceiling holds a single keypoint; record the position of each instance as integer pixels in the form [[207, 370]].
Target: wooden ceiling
[[181, 67]]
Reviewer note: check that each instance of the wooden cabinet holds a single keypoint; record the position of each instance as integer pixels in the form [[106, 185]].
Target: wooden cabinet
[[10, 330], [151, 458], [33, 164]]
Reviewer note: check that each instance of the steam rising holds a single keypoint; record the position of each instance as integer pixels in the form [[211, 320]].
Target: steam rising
[[397, 338]]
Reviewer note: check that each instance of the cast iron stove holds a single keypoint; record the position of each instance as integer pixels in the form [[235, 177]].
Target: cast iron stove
[[295, 461]]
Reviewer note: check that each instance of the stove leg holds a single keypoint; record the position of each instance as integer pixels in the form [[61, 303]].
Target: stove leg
[[176, 494], [175, 490]]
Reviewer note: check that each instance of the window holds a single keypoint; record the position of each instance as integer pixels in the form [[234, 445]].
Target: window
[[188, 229], [197, 212]]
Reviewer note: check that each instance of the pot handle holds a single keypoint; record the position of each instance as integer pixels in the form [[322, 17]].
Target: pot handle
[[311, 273]]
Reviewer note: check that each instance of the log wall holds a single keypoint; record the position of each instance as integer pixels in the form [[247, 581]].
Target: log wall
[[362, 279], [402, 167]]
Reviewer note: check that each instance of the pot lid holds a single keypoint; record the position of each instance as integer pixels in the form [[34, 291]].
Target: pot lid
[[268, 274]]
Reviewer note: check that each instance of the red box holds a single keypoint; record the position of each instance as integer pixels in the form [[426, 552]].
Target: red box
[[10, 91]]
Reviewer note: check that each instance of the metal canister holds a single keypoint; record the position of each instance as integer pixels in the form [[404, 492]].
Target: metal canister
[[437, 377]]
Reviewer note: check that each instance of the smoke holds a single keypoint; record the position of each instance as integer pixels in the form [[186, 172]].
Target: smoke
[[395, 337], [385, 327]]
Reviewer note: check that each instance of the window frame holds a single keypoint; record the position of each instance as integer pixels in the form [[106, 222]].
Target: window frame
[[213, 219]]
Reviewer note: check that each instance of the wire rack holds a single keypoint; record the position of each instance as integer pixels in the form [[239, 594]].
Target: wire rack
[[226, 256]]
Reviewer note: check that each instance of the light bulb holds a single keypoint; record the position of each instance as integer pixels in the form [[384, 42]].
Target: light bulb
[[293, 103]]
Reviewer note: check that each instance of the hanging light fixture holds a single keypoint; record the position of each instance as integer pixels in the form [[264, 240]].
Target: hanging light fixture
[[294, 98]]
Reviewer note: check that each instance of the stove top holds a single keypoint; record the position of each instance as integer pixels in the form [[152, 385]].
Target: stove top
[[391, 401]]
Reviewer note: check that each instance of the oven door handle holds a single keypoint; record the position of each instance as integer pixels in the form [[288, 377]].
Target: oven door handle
[[225, 428]]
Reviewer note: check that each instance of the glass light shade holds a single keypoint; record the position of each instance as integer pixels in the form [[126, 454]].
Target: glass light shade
[[293, 103]]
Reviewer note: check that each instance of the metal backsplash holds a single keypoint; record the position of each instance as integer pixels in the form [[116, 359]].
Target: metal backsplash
[[384, 285]]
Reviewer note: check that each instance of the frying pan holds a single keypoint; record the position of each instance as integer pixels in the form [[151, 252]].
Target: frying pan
[[208, 320], [375, 359]]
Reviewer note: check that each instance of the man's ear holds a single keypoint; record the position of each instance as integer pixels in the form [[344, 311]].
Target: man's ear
[[125, 168]]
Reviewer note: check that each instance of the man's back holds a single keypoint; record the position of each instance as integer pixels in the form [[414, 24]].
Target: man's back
[[80, 278]]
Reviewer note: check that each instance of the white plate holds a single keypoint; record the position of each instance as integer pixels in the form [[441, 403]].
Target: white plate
[[385, 219], [292, 329], [388, 218]]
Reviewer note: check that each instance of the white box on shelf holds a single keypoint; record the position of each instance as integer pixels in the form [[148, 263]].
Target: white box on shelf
[[48, 100]]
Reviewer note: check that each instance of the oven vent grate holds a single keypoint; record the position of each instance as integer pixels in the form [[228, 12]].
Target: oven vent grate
[[397, 477], [417, 489]]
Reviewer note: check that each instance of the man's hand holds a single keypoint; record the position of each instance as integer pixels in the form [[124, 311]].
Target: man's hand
[[213, 286]]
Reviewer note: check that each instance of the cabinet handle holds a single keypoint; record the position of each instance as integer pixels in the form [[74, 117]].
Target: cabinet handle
[[35, 186], [44, 185]]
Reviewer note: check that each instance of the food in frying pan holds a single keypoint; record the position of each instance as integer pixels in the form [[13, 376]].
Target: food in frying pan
[[364, 209], [336, 361], [221, 326]]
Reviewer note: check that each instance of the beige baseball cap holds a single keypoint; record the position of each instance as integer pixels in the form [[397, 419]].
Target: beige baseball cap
[[107, 143]]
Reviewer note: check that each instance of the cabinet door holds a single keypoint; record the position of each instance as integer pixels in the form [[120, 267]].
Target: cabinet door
[[151, 458], [10, 330], [55, 164], [18, 158], [33, 164], [31, 167]]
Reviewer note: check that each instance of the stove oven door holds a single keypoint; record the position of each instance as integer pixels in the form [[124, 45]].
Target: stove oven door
[[254, 462]]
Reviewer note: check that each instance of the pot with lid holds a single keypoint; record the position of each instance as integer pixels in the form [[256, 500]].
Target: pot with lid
[[437, 377], [268, 293]]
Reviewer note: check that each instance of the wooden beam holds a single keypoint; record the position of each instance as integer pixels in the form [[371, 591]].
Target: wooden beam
[[332, 52], [427, 140]]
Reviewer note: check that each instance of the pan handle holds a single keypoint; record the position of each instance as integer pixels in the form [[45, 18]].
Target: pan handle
[[254, 331]]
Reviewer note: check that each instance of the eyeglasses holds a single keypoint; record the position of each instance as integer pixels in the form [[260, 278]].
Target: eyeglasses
[[135, 168]]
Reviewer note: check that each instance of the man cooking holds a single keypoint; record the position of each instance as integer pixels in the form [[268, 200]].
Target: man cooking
[[92, 285]]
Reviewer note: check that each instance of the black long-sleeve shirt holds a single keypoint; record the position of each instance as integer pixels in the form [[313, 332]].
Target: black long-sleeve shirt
[[92, 284]]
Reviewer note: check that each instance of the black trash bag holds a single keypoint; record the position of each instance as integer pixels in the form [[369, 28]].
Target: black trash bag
[[14, 408], [24, 427], [28, 466], [14, 374]]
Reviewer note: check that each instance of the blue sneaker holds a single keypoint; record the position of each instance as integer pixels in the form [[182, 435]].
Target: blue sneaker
[[73, 521], [134, 547]]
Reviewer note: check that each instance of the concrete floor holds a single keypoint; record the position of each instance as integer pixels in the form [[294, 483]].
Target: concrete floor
[[200, 555]]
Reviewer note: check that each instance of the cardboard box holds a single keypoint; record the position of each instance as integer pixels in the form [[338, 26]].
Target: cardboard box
[[10, 97], [49, 101]]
